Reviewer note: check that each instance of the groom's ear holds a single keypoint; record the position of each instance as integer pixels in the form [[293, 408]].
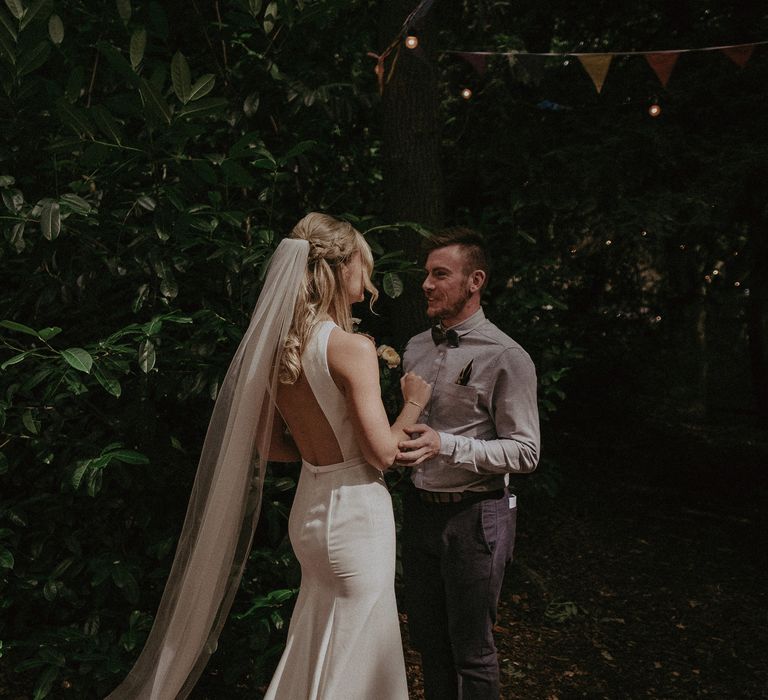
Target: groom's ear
[[476, 280]]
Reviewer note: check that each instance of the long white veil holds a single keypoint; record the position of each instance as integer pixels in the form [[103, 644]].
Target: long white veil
[[226, 498]]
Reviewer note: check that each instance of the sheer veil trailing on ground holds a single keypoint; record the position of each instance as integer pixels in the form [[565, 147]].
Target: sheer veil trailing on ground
[[225, 501]]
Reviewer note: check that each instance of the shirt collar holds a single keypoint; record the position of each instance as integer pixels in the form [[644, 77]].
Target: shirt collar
[[469, 324]]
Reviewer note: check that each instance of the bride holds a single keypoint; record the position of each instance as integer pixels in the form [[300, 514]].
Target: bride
[[301, 386]]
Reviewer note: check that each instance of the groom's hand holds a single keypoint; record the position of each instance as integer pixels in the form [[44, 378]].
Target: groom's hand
[[424, 444]]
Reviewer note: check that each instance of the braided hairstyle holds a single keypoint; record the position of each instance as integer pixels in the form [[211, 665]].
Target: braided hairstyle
[[322, 294]]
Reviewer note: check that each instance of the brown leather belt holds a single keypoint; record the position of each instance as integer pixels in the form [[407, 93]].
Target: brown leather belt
[[443, 497]]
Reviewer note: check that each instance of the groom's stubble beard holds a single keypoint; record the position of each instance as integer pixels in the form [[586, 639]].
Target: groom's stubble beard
[[454, 309]]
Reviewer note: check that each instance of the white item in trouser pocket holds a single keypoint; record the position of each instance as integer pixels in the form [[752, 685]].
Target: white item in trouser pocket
[[512, 501]]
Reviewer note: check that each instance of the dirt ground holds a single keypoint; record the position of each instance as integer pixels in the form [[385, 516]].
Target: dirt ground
[[643, 576]]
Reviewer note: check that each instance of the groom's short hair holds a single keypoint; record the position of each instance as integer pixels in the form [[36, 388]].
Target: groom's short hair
[[471, 242]]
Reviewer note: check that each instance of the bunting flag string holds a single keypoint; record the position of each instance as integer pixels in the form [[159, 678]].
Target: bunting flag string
[[597, 64], [662, 64]]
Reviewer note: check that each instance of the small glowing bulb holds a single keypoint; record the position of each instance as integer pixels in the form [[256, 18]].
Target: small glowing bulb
[[466, 93], [411, 42], [658, 318], [682, 246], [707, 278], [737, 284], [715, 272], [608, 242], [654, 110], [643, 233], [573, 251]]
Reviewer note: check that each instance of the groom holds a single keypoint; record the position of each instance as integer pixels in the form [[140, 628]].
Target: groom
[[480, 425]]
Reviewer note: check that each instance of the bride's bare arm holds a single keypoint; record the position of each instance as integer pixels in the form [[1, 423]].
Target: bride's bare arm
[[354, 367]]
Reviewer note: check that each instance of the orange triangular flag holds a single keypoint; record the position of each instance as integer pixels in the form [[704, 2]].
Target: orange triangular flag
[[476, 60], [596, 65], [739, 54], [662, 64]]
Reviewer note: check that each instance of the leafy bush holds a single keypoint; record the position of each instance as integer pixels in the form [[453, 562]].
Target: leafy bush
[[143, 194]]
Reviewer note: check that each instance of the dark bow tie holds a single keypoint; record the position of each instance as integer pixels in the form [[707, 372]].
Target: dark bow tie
[[440, 335]]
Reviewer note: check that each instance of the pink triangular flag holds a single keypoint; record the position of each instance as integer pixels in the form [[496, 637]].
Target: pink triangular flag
[[596, 65], [739, 54], [662, 64], [478, 61]]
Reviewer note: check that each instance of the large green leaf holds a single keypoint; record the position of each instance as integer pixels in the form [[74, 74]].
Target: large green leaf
[[13, 200], [76, 203], [17, 236], [80, 470], [78, 358], [56, 29], [208, 105], [18, 327], [39, 10], [155, 102], [107, 124], [14, 360], [393, 285], [8, 24], [138, 46], [299, 148], [48, 333], [16, 7], [129, 457], [202, 87], [124, 9], [110, 384], [30, 422], [50, 220], [147, 356], [181, 77]]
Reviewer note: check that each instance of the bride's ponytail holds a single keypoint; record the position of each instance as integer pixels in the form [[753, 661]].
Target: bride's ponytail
[[322, 294]]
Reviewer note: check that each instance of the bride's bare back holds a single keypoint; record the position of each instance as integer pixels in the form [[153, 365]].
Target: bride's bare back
[[307, 423], [354, 368]]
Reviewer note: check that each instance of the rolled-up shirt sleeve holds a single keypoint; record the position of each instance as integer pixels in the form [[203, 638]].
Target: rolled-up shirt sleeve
[[515, 415]]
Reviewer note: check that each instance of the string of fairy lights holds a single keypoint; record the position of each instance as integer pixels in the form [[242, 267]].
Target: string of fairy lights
[[596, 65]]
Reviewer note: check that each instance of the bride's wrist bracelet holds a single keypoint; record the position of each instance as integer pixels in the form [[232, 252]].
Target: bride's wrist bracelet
[[418, 405]]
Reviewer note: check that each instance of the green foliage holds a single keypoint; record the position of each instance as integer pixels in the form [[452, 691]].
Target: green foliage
[[152, 156]]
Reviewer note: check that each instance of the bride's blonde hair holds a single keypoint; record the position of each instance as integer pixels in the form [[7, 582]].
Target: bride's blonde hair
[[322, 294]]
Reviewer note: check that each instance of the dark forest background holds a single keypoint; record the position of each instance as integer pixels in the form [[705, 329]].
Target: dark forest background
[[153, 154]]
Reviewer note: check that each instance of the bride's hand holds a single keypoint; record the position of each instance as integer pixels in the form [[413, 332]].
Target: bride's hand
[[415, 389]]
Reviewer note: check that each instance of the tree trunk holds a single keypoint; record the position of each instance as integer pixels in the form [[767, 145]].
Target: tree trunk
[[757, 317], [413, 181]]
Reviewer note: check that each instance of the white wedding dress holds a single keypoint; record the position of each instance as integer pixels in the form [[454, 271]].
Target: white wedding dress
[[344, 637]]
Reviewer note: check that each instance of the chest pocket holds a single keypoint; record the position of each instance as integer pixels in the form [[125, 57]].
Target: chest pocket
[[455, 404]]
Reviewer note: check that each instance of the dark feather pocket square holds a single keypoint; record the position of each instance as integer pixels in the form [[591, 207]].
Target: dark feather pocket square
[[465, 374]]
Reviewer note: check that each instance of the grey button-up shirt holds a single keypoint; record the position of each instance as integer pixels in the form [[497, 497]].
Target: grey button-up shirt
[[489, 424]]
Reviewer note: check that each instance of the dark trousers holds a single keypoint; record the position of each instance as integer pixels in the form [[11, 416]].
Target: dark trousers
[[454, 556]]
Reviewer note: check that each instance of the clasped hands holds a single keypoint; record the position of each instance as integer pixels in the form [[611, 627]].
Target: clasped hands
[[424, 444]]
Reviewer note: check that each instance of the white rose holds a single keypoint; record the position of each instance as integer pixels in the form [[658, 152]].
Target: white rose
[[389, 355]]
